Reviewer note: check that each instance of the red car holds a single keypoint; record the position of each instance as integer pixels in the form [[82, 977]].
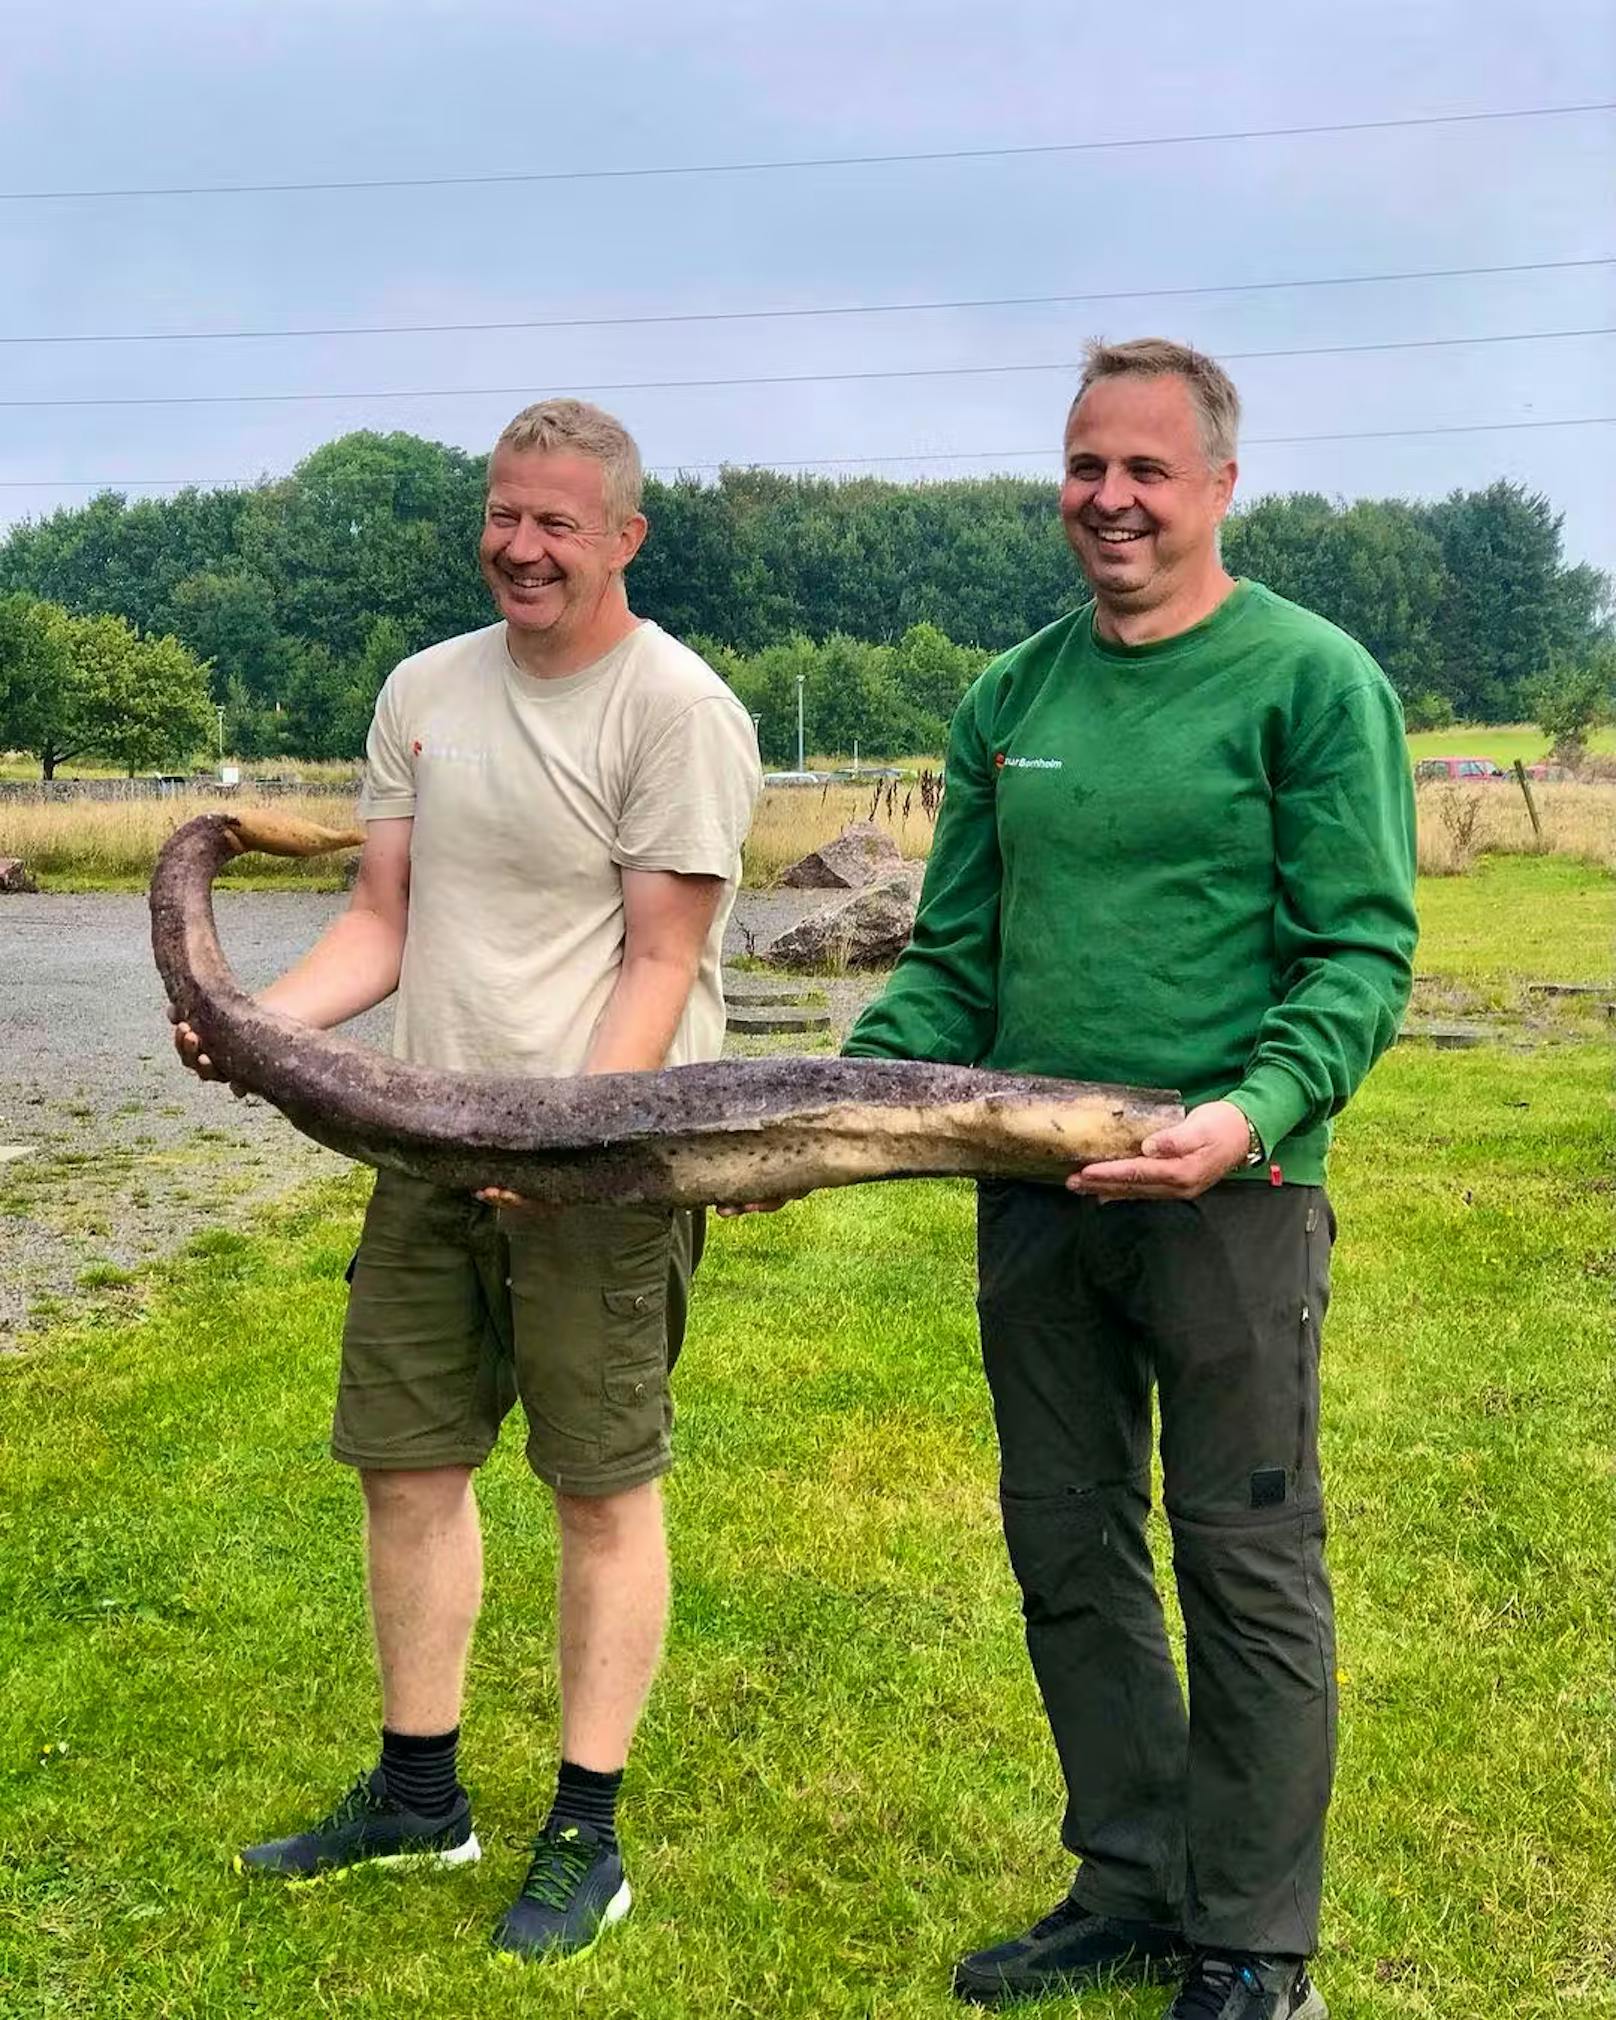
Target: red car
[[1459, 768]]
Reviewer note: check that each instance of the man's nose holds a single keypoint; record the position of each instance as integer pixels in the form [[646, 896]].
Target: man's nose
[[1115, 493], [526, 543]]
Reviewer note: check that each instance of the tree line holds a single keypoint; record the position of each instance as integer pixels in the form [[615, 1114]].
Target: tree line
[[297, 596]]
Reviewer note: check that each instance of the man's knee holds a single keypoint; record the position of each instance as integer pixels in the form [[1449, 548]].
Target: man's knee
[[406, 1498], [1062, 1544], [607, 1522], [1256, 1583]]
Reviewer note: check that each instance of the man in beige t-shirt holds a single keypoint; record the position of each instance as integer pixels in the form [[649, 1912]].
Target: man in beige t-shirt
[[554, 812]]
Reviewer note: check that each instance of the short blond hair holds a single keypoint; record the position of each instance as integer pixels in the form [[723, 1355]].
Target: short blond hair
[[575, 427], [1217, 404]]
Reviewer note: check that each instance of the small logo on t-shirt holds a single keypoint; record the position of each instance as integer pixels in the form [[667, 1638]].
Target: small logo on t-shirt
[[445, 750], [1022, 764]]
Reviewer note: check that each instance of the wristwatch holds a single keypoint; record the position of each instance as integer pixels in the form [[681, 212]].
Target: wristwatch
[[1254, 1145]]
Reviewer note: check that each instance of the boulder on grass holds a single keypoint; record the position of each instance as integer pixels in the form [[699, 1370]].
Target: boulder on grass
[[14, 876], [861, 855], [867, 929]]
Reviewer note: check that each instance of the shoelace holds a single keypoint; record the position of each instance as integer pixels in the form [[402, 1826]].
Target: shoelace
[[352, 1806], [1207, 1988], [1059, 1918], [559, 1863]]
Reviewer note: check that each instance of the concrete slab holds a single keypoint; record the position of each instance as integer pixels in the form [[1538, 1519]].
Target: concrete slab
[[1445, 1037], [744, 992], [753, 1023]]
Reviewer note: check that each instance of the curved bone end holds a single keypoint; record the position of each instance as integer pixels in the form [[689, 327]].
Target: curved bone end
[[1005, 1136], [267, 834]]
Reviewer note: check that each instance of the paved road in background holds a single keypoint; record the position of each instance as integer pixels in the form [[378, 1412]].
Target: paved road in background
[[127, 1154]]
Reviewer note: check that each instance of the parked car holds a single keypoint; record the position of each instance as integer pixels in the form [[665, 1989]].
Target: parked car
[[1459, 768]]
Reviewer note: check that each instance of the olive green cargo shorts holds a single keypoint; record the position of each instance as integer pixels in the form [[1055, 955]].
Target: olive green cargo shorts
[[458, 1309]]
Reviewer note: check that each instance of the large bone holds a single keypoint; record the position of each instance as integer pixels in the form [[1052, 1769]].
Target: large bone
[[723, 1133]]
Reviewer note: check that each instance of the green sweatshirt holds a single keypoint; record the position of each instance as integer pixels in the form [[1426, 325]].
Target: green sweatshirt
[[1187, 864]]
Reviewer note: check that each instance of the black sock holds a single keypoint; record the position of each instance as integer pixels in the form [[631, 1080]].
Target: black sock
[[420, 1772], [584, 1797]]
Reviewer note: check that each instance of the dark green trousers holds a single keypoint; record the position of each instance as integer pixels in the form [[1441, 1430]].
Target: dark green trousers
[[1212, 1820]]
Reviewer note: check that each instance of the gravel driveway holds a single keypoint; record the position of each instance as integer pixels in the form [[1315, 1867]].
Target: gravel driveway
[[124, 1156]]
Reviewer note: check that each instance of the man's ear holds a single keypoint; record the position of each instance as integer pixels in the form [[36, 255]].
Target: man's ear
[[631, 538], [1227, 477]]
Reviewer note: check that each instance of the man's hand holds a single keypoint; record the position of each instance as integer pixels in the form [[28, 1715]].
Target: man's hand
[[189, 1046], [1177, 1163], [513, 1202]]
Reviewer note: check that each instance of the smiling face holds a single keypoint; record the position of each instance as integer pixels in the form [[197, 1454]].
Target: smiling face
[[549, 551], [1140, 502]]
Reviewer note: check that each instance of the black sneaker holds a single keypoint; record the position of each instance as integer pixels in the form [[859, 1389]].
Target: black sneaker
[[1223, 1986], [573, 1893], [367, 1828], [1070, 1950]]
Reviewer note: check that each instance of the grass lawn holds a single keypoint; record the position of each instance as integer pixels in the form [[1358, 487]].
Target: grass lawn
[[844, 1776], [1502, 742], [1541, 919]]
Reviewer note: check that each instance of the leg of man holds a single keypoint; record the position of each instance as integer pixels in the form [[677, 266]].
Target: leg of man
[[1230, 1290], [613, 1586], [427, 1376], [613, 1610], [1071, 1397], [598, 1302], [426, 1575]]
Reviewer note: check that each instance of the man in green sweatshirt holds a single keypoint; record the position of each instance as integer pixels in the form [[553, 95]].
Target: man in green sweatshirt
[[1177, 849]]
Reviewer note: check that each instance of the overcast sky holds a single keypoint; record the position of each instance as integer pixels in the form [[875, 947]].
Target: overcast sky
[[101, 96]]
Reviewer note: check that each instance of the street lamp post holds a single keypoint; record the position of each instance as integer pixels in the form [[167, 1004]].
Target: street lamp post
[[219, 709], [801, 762]]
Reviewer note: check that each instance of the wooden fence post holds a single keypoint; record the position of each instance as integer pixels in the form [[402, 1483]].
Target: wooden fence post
[[1531, 804]]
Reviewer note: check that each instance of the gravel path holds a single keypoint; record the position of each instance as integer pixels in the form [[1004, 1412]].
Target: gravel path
[[124, 1155]]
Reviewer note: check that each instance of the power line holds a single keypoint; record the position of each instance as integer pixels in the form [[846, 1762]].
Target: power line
[[769, 379], [780, 315], [811, 161], [1049, 451]]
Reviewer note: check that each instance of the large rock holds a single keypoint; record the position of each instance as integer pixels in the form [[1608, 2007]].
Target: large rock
[[868, 929], [861, 855], [13, 876]]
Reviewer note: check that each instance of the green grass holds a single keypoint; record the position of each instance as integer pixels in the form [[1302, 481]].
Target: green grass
[[844, 1776], [1544, 919], [1503, 743]]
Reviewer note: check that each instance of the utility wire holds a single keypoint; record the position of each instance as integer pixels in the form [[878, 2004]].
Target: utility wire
[[1049, 451], [781, 315], [812, 161], [770, 379]]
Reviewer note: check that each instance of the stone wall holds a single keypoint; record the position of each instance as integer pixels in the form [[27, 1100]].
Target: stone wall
[[46, 790]]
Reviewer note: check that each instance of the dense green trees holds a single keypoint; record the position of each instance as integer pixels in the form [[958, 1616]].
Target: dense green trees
[[881, 700], [302, 592], [37, 681], [74, 687]]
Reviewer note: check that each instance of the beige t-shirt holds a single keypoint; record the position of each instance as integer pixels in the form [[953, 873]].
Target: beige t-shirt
[[529, 798]]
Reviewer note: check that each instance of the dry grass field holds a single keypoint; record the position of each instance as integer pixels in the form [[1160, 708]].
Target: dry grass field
[[88, 845], [110, 845], [1460, 824]]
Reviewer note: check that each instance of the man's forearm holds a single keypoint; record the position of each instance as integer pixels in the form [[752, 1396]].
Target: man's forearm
[[353, 966], [641, 1016]]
